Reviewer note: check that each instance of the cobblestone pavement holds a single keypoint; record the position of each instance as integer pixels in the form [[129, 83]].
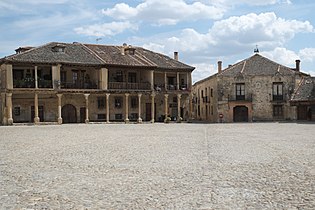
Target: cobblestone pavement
[[160, 166]]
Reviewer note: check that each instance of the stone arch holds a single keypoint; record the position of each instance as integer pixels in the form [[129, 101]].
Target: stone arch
[[240, 114], [69, 114]]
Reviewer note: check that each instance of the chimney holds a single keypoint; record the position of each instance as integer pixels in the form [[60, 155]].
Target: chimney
[[297, 65], [219, 67], [176, 56]]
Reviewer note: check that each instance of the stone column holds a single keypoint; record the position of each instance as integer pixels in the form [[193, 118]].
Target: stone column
[[191, 107], [177, 80], [3, 110], [36, 118], [36, 79], [9, 75], [55, 71], [59, 109], [179, 96], [9, 108], [127, 108], [103, 79], [86, 108], [107, 107], [152, 79], [166, 105], [139, 108], [152, 107]]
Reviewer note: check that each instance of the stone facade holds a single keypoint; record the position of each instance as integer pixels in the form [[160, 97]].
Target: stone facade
[[48, 85], [255, 89]]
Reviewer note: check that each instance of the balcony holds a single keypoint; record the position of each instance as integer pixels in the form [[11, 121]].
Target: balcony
[[277, 98], [30, 83], [128, 86], [78, 85], [247, 98]]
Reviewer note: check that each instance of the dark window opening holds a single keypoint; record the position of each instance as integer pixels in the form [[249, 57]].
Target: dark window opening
[[101, 102], [118, 102], [277, 91], [240, 91], [134, 102]]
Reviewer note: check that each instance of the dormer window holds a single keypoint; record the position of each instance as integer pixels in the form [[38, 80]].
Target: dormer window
[[58, 48]]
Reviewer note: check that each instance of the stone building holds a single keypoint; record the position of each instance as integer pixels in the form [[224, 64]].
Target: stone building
[[73, 83], [304, 99], [254, 89]]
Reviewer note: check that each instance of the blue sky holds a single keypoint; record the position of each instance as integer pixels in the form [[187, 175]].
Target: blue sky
[[203, 31]]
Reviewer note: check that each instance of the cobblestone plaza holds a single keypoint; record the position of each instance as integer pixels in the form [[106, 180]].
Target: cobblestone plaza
[[158, 166]]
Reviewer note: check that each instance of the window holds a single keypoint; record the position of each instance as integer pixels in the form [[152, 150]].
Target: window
[[119, 76], [101, 116], [278, 111], [63, 76], [74, 76], [118, 116], [277, 91], [134, 102], [17, 111], [211, 92], [211, 110], [240, 91], [101, 102], [132, 77], [118, 102]]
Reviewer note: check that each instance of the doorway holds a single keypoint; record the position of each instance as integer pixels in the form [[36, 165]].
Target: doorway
[[69, 114], [240, 114]]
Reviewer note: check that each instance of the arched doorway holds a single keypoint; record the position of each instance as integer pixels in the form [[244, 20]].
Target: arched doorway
[[69, 114], [240, 114]]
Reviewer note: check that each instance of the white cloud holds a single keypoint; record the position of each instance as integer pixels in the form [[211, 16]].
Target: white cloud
[[236, 35], [106, 29], [164, 12], [308, 54], [250, 2]]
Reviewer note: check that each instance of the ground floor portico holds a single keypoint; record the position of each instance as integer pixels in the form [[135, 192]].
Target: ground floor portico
[[84, 107]]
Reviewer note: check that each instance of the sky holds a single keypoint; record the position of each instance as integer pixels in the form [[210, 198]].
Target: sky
[[203, 32]]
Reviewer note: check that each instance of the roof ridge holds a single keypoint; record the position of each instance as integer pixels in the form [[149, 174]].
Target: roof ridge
[[94, 53]]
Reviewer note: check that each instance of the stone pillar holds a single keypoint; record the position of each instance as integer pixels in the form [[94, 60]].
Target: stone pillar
[[3, 109], [187, 81], [86, 108], [139, 108], [36, 79], [55, 71], [36, 117], [59, 109], [191, 107], [189, 84], [9, 75], [179, 96], [166, 105], [177, 80], [107, 107], [165, 80], [103, 79], [152, 107], [9, 108], [127, 108], [152, 79]]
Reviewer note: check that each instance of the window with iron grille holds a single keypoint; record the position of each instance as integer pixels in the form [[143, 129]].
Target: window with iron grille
[[134, 102], [101, 102], [240, 91], [277, 91]]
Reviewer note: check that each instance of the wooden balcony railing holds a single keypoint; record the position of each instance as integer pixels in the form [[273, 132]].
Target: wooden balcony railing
[[129, 86], [247, 97], [78, 85]]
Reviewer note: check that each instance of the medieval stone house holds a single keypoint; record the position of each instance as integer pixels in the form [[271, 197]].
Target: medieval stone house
[[72, 83], [304, 99], [255, 89]]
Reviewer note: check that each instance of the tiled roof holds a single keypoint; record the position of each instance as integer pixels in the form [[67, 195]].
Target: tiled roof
[[73, 54], [305, 91], [256, 65], [112, 55], [105, 55]]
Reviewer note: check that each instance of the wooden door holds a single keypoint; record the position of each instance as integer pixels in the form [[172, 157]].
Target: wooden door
[[69, 114]]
